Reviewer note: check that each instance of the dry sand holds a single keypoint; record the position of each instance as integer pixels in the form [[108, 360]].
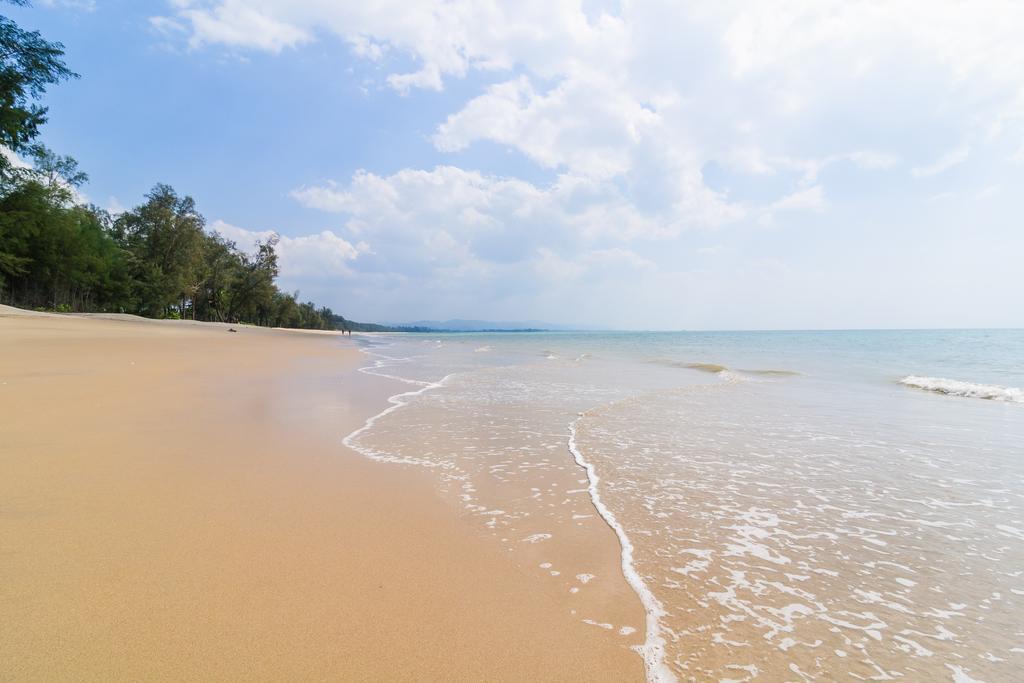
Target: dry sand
[[175, 503]]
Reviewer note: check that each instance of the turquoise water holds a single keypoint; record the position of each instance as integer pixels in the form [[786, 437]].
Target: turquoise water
[[791, 505], [986, 356]]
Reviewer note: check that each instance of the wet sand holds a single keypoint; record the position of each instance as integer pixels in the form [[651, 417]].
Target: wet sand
[[176, 503]]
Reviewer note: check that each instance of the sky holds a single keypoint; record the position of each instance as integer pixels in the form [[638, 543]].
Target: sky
[[629, 165]]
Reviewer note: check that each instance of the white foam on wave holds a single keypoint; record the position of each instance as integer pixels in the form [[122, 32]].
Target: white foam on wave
[[396, 401], [952, 387], [961, 676], [653, 648], [386, 362], [599, 624], [537, 538]]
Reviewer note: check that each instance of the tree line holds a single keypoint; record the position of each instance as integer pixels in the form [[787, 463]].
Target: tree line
[[156, 260]]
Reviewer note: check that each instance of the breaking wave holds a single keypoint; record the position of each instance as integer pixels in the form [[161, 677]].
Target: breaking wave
[[722, 370], [952, 387], [707, 367], [773, 373]]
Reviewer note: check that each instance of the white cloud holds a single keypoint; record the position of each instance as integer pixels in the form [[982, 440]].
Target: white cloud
[[787, 56], [551, 128], [77, 195], [751, 159], [808, 199], [599, 272], [13, 158], [115, 207], [324, 255], [168, 26], [450, 233], [872, 159], [236, 23], [952, 158], [813, 198], [629, 109], [619, 95], [989, 191], [367, 48], [491, 210]]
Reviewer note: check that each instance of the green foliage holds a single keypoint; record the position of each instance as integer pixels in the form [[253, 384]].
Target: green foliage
[[163, 239], [28, 64], [55, 171], [52, 254], [156, 260]]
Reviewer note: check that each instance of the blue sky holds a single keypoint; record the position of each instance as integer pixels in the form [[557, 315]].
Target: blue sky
[[635, 165]]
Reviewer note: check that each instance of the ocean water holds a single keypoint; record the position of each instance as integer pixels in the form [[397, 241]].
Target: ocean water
[[788, 505]]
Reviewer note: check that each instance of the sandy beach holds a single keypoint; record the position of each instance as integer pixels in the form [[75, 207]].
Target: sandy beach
[[176, 503]]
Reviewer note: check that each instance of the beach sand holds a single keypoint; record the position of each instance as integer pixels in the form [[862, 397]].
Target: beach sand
[[176, 503]]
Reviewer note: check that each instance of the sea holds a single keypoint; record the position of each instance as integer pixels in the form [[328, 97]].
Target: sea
[[786, 505]]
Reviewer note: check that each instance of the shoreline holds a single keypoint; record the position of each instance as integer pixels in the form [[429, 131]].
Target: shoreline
[[177, 503], [653, 649], [587, 543]]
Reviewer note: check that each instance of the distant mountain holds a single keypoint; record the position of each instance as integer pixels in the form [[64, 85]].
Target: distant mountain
[[340, 323], [483, 325], [454, 326]]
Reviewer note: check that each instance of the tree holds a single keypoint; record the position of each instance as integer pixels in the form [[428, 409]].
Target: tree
[[56, 171], [164, 238], [252, 292], [58, 256], [221, 264], [28, 64]]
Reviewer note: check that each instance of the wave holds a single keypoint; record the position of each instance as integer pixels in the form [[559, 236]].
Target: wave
[[706, 367], [653, 649], [952, 387], [773, 373], [397, 401], [703, 367], [722, 370]]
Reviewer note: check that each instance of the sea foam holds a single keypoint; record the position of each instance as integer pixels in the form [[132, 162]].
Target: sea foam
[[397, 401], [653, 649], [952, 387]]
